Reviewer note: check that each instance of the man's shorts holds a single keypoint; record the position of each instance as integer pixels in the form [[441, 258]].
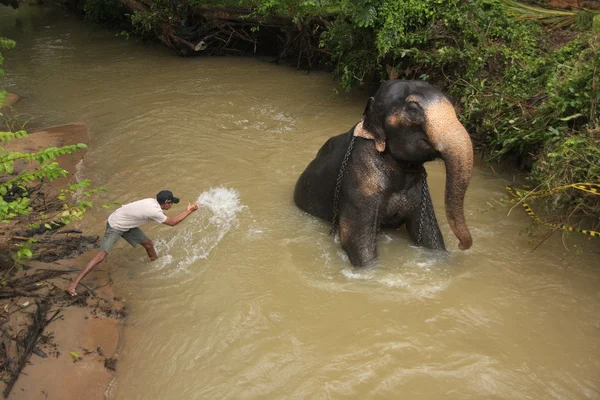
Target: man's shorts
[[111, 236]]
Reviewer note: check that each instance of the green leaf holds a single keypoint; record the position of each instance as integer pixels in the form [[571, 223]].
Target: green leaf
[[596, 24], [75, 355], [570, 117]]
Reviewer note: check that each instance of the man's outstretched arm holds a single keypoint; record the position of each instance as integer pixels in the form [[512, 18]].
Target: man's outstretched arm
[[172, 221]]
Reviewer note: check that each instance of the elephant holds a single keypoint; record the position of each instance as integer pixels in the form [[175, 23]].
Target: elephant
[[372, 176]]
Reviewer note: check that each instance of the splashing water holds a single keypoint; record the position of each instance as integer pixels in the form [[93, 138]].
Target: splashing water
[[223, 202], [203, 230]]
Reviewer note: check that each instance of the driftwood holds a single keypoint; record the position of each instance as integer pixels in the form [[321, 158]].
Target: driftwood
[[26, 345]]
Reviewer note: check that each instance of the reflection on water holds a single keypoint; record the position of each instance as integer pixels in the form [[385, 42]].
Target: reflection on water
[[251, 298]]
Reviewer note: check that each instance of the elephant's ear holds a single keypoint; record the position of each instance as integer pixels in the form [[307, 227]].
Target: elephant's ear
[[361, 131]]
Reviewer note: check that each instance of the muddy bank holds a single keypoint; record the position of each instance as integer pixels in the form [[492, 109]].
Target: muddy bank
[[75, 355], [54, 346]]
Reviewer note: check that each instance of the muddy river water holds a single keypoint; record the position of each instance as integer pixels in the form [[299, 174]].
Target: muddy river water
[[250, 297]]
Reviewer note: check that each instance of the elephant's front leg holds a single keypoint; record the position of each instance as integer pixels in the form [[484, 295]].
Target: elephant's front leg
[[358, 234], [423, 227]]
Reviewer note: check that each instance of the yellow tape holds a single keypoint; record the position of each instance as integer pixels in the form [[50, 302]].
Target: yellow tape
[[588, 187], [593, 188]]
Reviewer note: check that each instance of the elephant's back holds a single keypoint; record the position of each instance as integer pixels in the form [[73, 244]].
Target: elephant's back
[[316, 185]]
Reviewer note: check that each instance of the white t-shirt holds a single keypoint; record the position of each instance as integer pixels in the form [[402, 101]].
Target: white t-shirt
[[136, 214]]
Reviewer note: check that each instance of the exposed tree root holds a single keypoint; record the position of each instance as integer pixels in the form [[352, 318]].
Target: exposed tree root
[[238, 32], [23, 346]]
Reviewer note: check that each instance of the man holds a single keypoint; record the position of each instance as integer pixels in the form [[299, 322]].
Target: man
[[125, 222]]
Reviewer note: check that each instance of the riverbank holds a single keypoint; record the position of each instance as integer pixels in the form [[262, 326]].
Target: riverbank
[[55, 346], [75, 356]]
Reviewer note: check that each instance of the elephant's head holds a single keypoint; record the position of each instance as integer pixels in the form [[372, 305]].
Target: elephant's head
[[415, 122]]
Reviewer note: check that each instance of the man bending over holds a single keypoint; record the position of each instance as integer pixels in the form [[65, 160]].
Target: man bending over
[[125, 222]]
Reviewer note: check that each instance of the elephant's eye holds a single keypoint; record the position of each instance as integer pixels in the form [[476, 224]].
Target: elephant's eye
[[413, 111]]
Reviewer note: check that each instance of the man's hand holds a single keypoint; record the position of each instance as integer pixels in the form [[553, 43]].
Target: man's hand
[[172, 221], [192, 207]]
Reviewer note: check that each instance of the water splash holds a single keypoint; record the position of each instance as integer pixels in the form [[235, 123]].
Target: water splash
[[223, 202], [202, 232]]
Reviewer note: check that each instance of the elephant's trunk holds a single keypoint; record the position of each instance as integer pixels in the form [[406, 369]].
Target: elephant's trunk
[[450, 138]]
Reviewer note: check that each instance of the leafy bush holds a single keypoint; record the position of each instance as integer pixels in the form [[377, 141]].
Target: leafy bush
[[161, 14]]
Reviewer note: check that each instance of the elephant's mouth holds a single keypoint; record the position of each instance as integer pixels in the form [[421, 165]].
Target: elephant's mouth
[[425, 144], [426, 150]]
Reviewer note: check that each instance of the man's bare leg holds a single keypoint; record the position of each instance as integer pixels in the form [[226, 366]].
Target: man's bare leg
[[98, 258], [149, 246]]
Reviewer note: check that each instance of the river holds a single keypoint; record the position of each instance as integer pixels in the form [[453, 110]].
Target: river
[[250, 297]]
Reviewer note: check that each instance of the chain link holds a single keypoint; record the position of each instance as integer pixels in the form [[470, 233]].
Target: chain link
[[424, 191], [424, 217], [338, 184]]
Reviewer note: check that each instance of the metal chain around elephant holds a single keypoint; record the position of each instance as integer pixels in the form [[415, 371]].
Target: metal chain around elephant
[[425, 202], [338, 184]]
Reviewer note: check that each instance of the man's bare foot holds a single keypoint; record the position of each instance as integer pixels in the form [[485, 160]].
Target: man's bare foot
[[71, 291], [153, 259]]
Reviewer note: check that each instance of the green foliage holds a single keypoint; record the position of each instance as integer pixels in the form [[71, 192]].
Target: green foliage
[[571, 153], [355, 51], [162, 14], [14, 186], [75, 211], [556, 98], [5, 44], [574, 86], [580, 18], [143, 23], [299, 8], [24, 250], [419, 38]]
